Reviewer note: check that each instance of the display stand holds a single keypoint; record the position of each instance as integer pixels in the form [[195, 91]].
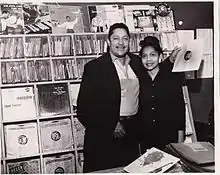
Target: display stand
[[189, 116]]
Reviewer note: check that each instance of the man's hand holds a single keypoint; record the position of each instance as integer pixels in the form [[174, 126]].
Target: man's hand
[[119, 131], [174, 53]]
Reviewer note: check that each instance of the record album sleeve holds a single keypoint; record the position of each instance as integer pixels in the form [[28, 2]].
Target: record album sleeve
[[56, 135], [60, 164], [189, 57], [24, 167], [66, 19], [139, 18], [36, 19], [53, 99], [13, 23], [103, 16], [152, 161], [197, 152], [21, 140], [17, 100]]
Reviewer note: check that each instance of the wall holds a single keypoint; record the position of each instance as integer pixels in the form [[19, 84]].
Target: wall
[[201, 92], [193, 14]]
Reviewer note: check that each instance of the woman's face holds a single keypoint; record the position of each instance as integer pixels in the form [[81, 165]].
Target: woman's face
[[150, 58]]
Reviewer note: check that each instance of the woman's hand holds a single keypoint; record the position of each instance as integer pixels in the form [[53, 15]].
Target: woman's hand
[[174, 53]]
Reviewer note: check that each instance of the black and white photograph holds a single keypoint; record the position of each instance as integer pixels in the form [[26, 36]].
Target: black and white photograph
[[109, 87]]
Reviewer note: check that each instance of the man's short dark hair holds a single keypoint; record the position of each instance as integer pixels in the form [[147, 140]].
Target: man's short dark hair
[[67, 17], [118, 26], [5, 11]]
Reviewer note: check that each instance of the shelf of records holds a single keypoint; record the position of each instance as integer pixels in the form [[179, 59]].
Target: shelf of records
[[42, 71], [55, 136], [50, 164], [48, 146], [54, 45], [27, 59], [43, 101]]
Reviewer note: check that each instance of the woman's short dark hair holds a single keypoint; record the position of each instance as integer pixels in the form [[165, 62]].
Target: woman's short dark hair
[[150, 41], [118, 26]]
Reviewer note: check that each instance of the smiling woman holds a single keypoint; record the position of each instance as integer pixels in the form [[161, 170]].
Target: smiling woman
[[150, 53], [160, 91]]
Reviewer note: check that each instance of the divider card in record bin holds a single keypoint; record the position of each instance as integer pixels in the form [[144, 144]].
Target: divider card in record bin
[[56, 135], [24, 167], [21, 140], [59, 164], [152, 161]]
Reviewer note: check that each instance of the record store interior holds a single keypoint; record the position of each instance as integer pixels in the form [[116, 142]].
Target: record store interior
[[107, 87]]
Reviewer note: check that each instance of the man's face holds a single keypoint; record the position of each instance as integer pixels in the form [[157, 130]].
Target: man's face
[[119, 42], [68, 19], [6, 15]]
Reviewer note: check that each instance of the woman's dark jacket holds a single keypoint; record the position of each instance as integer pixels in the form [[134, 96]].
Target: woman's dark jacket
[[162, 107]]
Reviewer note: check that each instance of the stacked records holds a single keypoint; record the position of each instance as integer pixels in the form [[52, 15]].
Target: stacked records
[[196, 157]]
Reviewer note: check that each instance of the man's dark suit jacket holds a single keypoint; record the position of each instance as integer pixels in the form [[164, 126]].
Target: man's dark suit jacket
[[98, 109]]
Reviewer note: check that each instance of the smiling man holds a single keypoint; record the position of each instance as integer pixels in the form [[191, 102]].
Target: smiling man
[[108, 104]]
